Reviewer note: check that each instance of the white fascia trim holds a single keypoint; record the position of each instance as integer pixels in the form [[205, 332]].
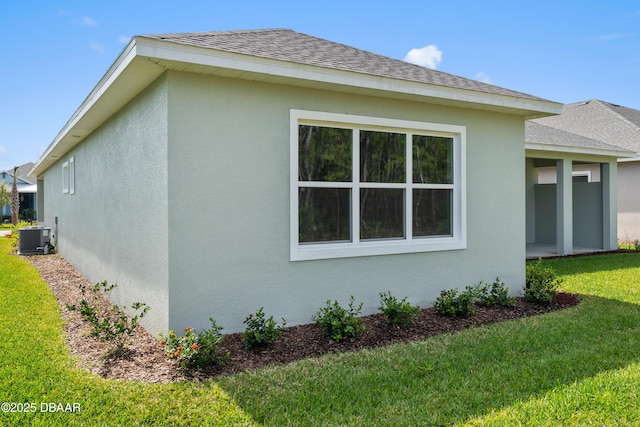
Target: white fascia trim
[[531, 146], [236, 61], [329, 250], [630, 159], [116, 69]]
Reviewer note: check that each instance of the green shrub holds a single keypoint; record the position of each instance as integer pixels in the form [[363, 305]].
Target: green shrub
[[113, 325], [453, 304], [195, 349], [261, 331], [495, 294], [541, 283], [339, 323], [398, 312]]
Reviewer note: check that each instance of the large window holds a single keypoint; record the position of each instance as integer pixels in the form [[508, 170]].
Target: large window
[[369, 186]]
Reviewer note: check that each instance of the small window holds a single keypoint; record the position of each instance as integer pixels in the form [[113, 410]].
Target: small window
[[72, 175], [369, 186], [65, 177], [68, 176]]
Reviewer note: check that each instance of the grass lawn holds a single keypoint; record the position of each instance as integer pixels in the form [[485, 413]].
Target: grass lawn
[[580, 366]]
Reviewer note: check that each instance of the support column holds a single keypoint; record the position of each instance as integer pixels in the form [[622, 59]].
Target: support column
[[609, 178], [564, 206]]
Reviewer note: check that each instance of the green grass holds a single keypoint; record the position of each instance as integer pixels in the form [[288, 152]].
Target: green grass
[[579, 366], [36, 367]]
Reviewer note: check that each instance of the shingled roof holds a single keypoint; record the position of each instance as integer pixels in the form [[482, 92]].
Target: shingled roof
[[537, 133], [291, 46], [598, 120], [278, 56]]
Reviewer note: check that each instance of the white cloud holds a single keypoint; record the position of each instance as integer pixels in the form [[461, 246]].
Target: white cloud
[[428, 56], [87, 22], [482, 77], [97, 47]]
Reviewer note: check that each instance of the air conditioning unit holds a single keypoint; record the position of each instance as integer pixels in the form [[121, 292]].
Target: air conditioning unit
[[33, 240]]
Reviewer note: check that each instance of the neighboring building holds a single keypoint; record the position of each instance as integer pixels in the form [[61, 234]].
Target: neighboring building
[[616, 126], [27, 189], [211, 174]]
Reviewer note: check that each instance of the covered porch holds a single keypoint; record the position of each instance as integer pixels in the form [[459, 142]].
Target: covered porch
[[571, 194]]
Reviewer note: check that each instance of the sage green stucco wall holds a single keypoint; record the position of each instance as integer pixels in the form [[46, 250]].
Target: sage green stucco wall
[[114, 227], [228, 198]]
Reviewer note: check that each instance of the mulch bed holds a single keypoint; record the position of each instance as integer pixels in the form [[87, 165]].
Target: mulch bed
[[145, 361]]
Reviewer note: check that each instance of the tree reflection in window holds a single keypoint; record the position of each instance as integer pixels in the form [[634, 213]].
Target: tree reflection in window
[[382, 157], [327, 185], [324, 154], [432, 159]]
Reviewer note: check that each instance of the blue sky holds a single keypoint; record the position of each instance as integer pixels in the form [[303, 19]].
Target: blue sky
[[54, 52]]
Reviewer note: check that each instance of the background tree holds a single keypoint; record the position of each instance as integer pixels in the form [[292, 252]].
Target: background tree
[[15, 197], [5, 195]]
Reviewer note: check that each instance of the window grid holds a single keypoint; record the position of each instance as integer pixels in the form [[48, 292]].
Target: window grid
[[334, 249]]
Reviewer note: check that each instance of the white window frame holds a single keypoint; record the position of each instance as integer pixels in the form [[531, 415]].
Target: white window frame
[[65, 177], [408, 244], [69, 176], [586, 173], [72, 175]]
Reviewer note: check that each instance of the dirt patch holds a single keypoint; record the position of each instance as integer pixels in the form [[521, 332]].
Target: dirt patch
[[145, 361]]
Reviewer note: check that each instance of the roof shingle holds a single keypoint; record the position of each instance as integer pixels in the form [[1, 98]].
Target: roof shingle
[[291, 46], [595, 119]]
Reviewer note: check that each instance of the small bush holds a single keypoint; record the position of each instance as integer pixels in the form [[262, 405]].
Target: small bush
[[339, 323], [541, 283], [195, 349], [453, 304], [398, 312], [495, 294], [261, 331], [113, 326]]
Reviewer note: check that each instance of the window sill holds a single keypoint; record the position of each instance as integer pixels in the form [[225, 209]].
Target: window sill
[[376, 248]]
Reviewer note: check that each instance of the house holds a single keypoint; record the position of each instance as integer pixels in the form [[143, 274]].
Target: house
[[612, 126], [281, 170], [26, 188]]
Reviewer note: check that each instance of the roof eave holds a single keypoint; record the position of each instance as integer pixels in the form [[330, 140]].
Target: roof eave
[[531, 147], [144, 60], [124, 80], [191, 58]]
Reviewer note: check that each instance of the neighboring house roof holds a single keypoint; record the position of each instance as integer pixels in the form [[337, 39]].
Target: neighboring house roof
[[609, 123], [23, 175], [281, 57], [547, 138]]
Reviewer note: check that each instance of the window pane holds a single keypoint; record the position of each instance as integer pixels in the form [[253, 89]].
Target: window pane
[[324, 154], [381, 213], [324, 214], [432, 213], [432, 159], [382, 157]]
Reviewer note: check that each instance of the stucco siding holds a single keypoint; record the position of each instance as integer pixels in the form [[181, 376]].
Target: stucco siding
[[628, 201], [228, 198], [114, 226]]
